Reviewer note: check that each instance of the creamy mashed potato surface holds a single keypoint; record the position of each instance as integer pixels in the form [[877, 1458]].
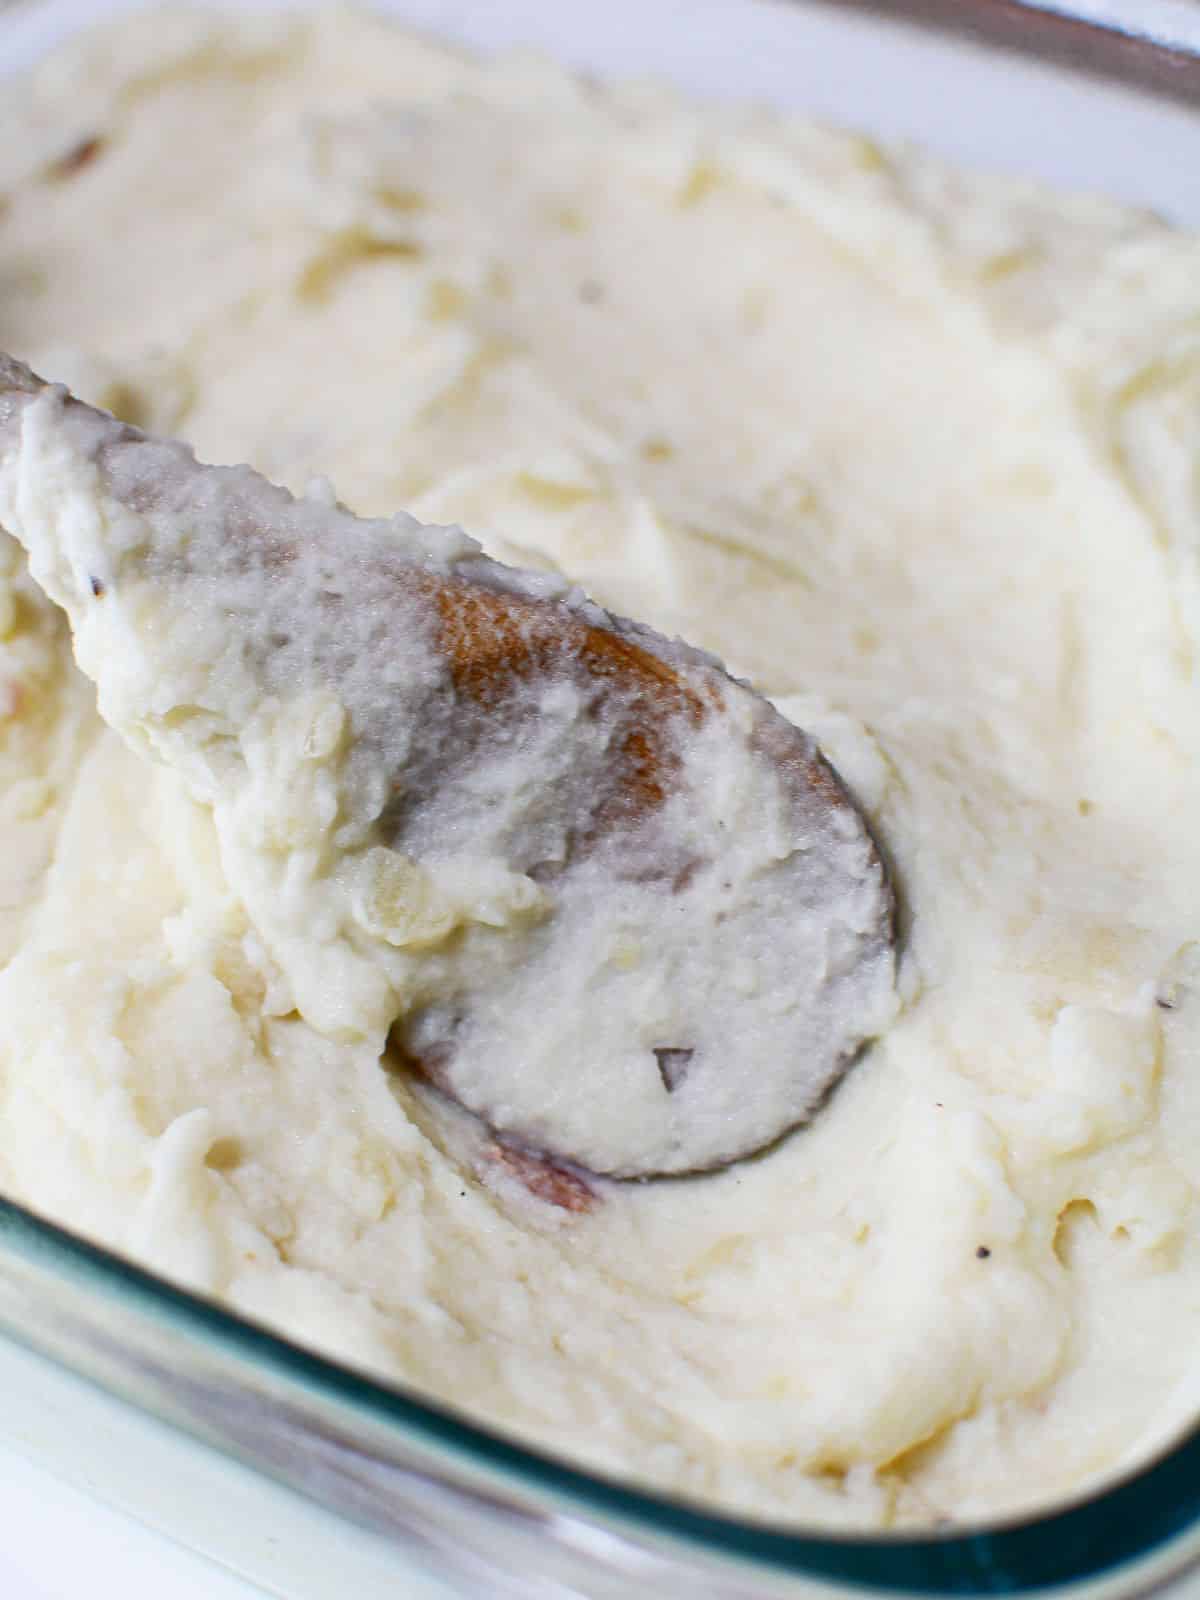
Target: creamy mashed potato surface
[[916, 453]]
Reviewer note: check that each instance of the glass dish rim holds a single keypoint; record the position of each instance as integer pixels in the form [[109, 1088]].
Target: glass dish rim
[[1079, 1540]]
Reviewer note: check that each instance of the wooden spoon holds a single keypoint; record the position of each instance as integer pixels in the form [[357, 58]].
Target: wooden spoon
[[604, 895]]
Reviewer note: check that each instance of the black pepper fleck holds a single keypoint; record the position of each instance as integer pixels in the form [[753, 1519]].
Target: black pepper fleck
[[74, 160], [673, 1062], [982, 1253], [97, 587]]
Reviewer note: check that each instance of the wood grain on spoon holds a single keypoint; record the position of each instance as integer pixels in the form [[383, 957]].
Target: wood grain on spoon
[[493, 640]]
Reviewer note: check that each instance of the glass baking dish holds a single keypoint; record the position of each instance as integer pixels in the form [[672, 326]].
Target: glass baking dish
[[316, 1481]]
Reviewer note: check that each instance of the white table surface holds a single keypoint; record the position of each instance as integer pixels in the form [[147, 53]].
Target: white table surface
[[57, 1543]]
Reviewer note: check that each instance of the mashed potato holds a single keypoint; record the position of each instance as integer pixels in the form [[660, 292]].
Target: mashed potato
[[915, 453]]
